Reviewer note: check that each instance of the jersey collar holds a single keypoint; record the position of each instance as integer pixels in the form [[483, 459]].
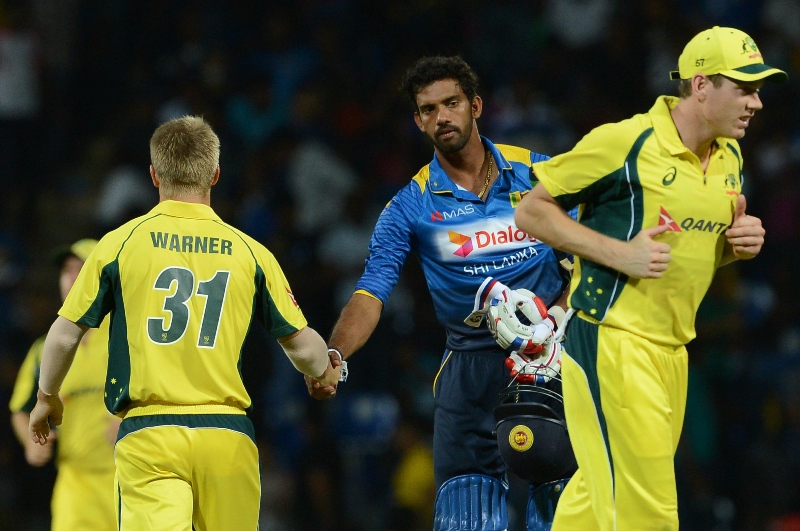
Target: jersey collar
[[182, 209], [664, 126], [439, 182]]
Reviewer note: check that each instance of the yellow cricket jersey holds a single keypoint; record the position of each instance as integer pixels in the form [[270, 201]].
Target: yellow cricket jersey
[[183, 289], [636, 174], [82, 438]]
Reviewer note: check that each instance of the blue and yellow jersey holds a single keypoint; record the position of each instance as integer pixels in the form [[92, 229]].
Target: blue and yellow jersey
[[460, 240], [183, 289], [637, 174], [82, 438]]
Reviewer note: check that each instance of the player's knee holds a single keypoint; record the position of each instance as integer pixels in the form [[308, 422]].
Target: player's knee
[[471, 502]]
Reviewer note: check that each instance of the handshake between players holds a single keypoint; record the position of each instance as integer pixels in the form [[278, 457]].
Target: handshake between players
[[534, 347]]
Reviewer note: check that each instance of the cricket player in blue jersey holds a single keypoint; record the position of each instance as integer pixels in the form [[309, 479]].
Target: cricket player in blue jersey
[[457, 215]]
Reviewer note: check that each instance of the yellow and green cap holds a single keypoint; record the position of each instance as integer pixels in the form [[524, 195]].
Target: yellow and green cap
[[81, 248], [727, 51]]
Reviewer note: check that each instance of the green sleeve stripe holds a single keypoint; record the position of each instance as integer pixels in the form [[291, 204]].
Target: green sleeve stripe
[[272, 319]]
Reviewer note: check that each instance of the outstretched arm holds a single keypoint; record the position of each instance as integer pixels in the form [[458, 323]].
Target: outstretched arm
[[308, 353], [356, 323], [59, 350], [541, 216]]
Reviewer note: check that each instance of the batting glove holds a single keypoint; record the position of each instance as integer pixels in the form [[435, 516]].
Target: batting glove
[[531, 306], [514, 336], [540, 370]]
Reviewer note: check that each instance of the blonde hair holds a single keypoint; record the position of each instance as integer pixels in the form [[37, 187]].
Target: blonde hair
[[184, 153]]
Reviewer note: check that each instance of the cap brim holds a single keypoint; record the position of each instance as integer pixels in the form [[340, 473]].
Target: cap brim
[[756, 72], [59, 255], [80, 249]]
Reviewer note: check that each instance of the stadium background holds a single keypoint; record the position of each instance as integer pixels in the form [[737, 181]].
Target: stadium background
[[315, 140]]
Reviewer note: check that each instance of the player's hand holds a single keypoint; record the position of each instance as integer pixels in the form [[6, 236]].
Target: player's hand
[[514, 336], [538, 370], [745, 235], [646, 257], [322, 391], [47, 412], [38, 455], [331, 376]]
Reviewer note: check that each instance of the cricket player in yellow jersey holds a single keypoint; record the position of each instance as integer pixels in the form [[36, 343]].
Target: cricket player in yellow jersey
[[83, 496], [183, 288], [660, 210]]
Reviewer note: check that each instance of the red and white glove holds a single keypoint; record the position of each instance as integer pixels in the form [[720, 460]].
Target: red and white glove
[[492, 292], [514, 336], [538, 370]]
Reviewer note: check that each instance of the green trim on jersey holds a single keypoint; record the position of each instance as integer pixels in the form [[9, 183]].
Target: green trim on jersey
[[238, 423], [183, 288], [618, 211], [739, 158], [634, 174], [582, 347]]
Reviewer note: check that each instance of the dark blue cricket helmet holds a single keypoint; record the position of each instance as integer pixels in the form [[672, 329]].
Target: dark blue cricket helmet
[[532, 431]]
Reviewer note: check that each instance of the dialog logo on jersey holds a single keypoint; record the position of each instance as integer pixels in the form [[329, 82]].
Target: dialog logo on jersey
[[509, 237], [464, 243], [665, 219]]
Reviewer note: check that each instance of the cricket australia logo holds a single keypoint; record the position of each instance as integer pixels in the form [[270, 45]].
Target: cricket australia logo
[[464, 243]]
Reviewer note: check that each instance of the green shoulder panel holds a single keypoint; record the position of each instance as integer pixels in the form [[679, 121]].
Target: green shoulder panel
[[613, 206]]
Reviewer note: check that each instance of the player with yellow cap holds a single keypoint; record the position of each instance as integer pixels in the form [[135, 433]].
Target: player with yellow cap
[[660, 209], [726, 51], [83, 494]]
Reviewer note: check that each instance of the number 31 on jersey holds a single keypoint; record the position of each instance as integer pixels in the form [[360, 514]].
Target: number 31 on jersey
[[213, 290]]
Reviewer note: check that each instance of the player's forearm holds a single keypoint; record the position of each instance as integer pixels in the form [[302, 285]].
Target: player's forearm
[[59, 350], [544, 219], [307, 351], [356, 323]]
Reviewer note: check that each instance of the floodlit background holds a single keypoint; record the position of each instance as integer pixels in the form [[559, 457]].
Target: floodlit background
[[315, 140]]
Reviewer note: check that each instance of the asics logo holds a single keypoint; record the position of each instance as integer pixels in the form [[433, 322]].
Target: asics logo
[[669, 178]]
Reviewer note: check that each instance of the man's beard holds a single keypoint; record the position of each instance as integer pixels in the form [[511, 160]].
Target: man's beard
[[457, 143]]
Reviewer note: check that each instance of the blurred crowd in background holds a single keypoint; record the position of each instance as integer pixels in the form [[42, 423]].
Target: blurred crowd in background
[[315, 140]]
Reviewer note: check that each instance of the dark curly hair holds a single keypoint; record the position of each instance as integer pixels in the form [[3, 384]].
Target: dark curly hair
[[431, 69]]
